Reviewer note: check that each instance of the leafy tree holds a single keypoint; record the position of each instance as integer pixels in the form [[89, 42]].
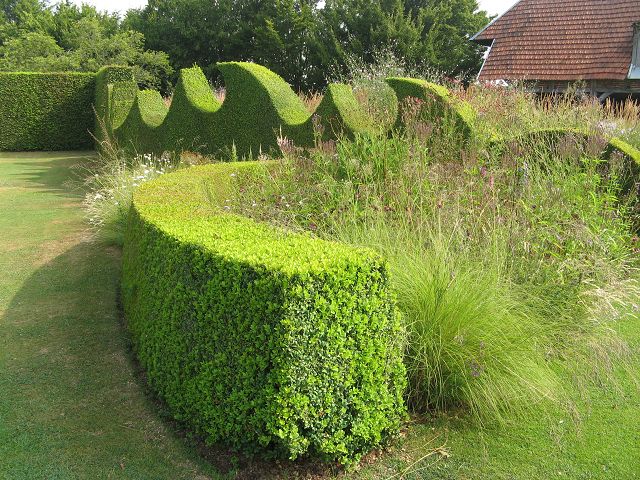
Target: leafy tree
[[65, 37], [433, 33], [305, 40], [276, 33]]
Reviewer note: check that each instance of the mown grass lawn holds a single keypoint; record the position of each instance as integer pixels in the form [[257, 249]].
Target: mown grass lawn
[[73, 406]]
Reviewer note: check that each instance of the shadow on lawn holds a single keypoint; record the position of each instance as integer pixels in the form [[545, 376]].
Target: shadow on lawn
[[58, 172], [77, 396]]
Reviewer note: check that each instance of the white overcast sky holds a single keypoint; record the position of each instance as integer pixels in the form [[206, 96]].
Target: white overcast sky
[[492, 6]]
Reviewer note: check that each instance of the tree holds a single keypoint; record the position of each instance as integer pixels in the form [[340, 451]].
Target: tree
[[305, 40], [36, 37], [427, 33]]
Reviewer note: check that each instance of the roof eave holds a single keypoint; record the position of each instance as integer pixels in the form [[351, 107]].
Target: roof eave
[[487, 41]]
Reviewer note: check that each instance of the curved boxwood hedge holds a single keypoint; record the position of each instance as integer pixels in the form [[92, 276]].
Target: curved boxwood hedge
[[262, 339], [46, 111], [438, 103]]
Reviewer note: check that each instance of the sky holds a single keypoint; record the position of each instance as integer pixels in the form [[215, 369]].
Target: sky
[[492, 6]]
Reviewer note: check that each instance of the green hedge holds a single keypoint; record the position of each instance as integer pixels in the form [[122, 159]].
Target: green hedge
[[550, 137], [191, 119], [259, 107], [438, 104], [261, 339], [141, 130], [340, 113], [115, 92], [46, 111]]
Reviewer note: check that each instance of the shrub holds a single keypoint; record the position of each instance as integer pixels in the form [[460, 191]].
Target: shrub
[[115, 92], [259, 105], [497, 263], [439, 104], [259, 338], [46, 111], [140, 131], [191, 118], [340, 114]]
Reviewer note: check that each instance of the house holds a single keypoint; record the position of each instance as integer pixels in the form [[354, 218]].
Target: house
[[551, 44]]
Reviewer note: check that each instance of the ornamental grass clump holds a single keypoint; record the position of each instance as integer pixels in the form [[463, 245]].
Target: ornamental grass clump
[[499, 258]]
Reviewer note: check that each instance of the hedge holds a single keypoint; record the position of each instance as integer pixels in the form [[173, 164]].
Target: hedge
[[191, 118], [115, 92], [550, 137], [259, 107], [340, 113], [141, 129], [46, 111], [438, 101], [257, 338]]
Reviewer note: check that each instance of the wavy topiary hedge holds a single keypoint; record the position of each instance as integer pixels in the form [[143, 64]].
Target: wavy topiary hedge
[[114, 95], [190, 122], [259, 107], [262, 339], [141, 130], [340, 113], [46, 111], [438, 103]]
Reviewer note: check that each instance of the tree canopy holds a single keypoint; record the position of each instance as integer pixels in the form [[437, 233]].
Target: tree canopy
[[65, 37], [303, 40]]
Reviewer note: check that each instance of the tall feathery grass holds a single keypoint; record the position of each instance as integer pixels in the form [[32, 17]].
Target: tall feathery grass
[[502, 264]]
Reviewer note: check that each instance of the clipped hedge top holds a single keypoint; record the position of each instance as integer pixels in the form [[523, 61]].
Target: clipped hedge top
[[419, 88], [152, 108], [244, 77], [186, 205], [197, 90]]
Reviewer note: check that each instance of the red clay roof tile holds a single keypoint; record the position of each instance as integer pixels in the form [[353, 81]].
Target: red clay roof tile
[[561, 40]]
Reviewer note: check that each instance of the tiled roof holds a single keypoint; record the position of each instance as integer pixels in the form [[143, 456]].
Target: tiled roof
[[561, 40]]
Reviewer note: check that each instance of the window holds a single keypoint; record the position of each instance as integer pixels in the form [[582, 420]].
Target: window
[[634, 71]]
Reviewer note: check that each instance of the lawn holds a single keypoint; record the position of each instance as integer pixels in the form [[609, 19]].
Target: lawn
[[73, 404]]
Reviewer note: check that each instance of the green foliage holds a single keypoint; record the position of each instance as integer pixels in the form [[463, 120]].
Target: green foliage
[[437, 104], [66, 37], [191, 118], [503, 263], [46, 111], [255, 337], [259, 108], [340, 113], [304, 40], [559, 140], [140, 132], [431, 34], [115, 93], [617, 146]]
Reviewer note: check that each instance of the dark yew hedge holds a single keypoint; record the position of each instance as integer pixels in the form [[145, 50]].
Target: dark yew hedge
[[46, 111]]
